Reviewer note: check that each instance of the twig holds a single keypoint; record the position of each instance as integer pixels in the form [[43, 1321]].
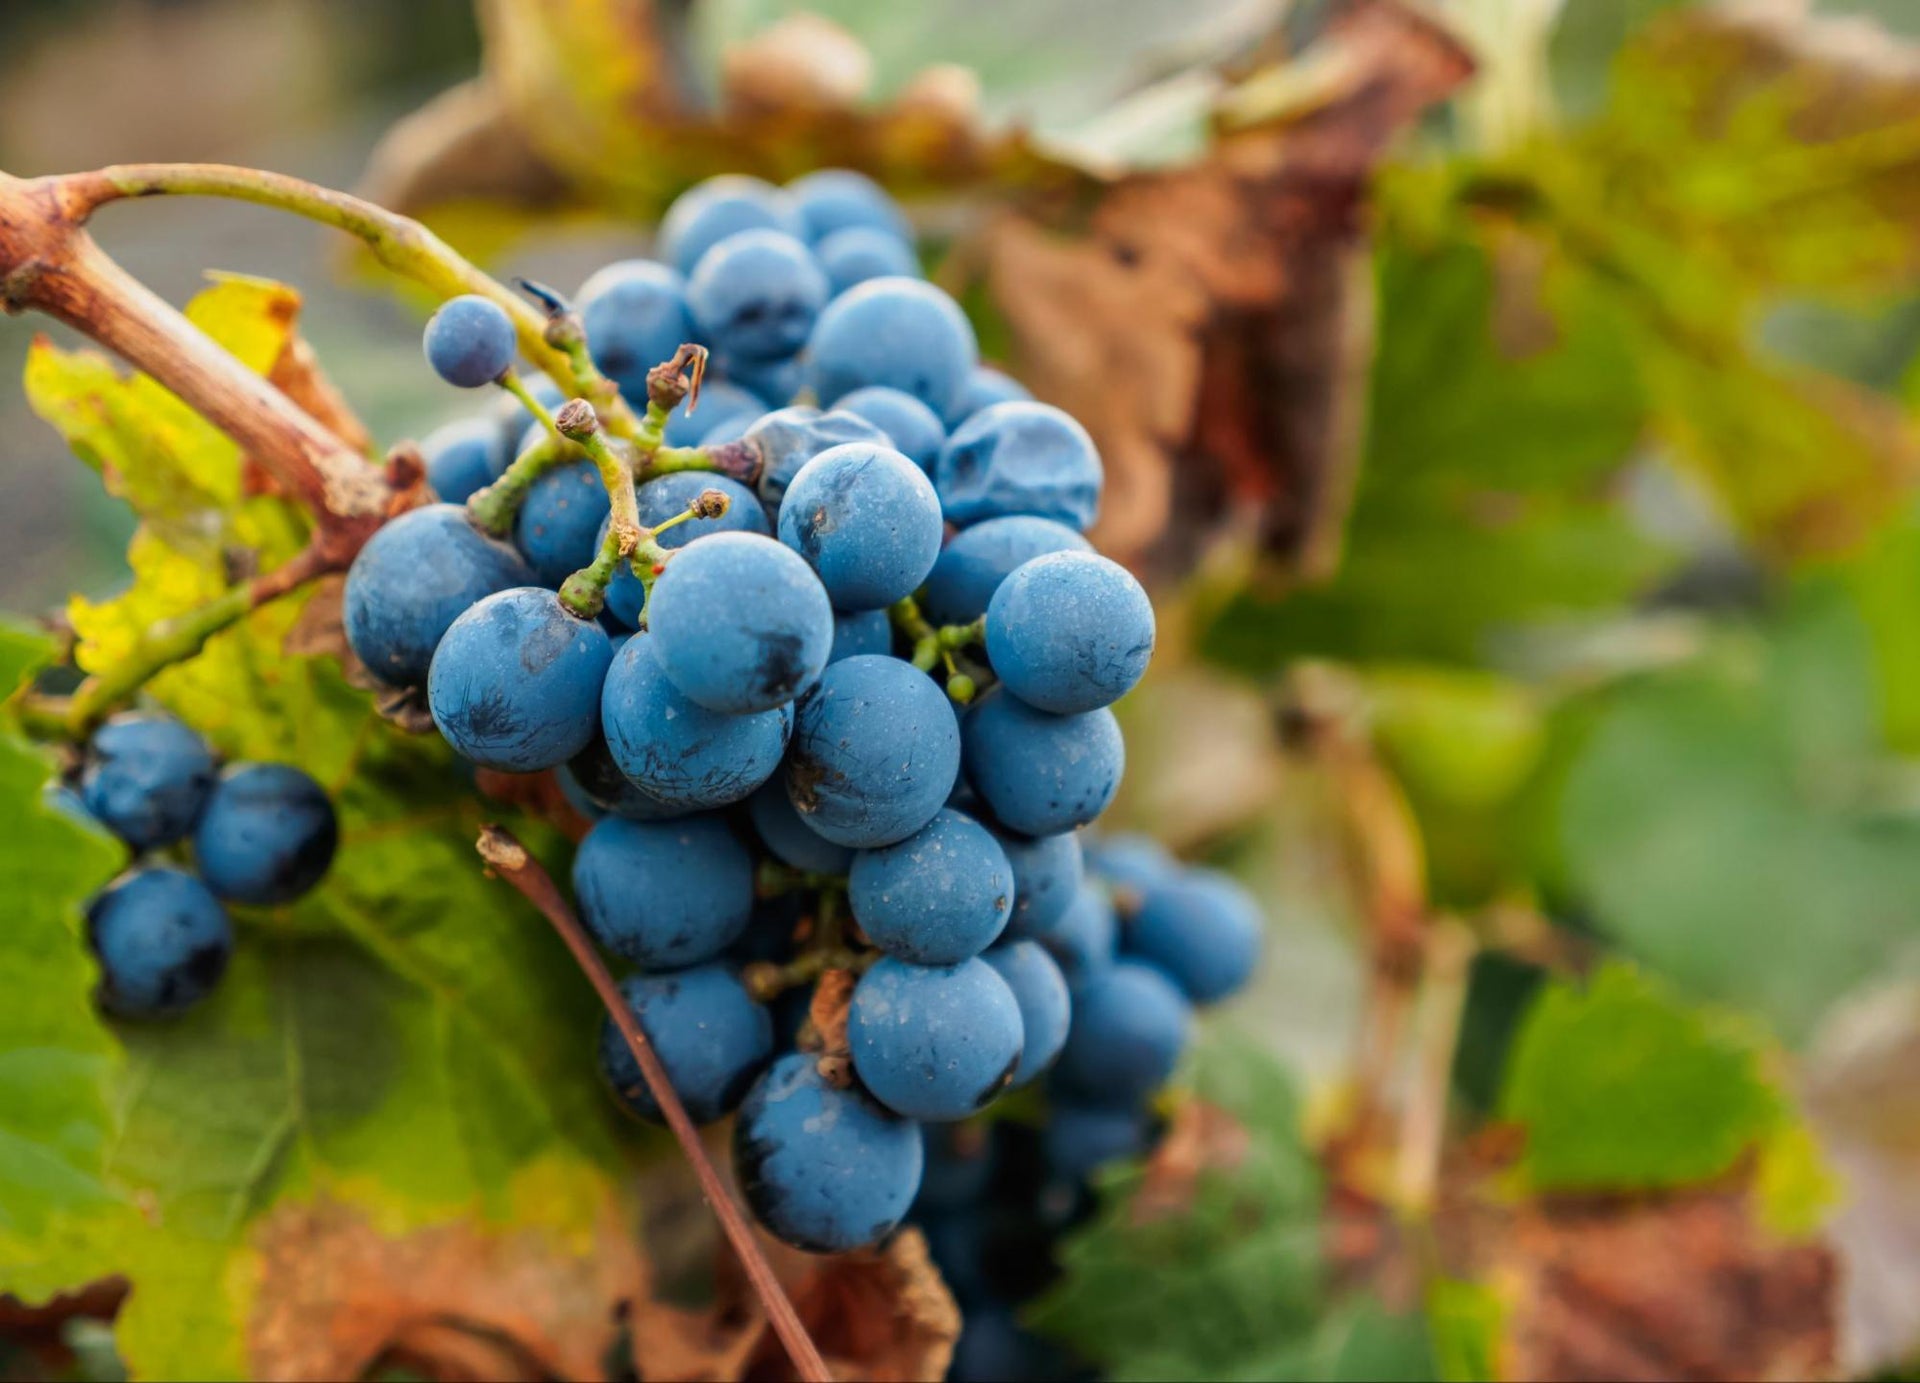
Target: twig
[[1423, 1121], [511, 861]]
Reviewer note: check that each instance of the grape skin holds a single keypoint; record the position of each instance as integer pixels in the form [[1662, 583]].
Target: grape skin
[[470, 341], [635, 314], [790, 437], [708, 213], [266, 836], [1080, 1138], [913, 428], [597, 779], [664, 894], [162, 939], [938, 897], [1084, 938], [1019, 458], [711, 1037], [1201, 929], [1130, 1025], [1070, 632], [1042, 774], [720, 402], [837, 199], [970, 569], [1046, 1009], [860, 632], [985, 387], [789, 839], [146, 778], [1047, 872], [658, 501], [465, 456], [934, 1043], [754, 296], [558, 527], [858, 253], [867, 520], [899, 332]]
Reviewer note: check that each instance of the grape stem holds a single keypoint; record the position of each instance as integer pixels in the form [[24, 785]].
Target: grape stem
[[511, 861]]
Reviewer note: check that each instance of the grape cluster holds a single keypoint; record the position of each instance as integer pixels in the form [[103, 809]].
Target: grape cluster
[[840, 728], [262, 834]]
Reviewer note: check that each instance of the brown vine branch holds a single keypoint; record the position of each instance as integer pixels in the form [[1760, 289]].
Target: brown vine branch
[[510, 859]]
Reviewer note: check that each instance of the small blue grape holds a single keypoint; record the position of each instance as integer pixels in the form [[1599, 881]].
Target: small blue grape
[[773, 382], [728, 430], [1041, 774], [1202, 929], [266, 835], [960, 1165], [664, 894], [994, 1346], [636, 317], [1130, 860], [900, 332], [515, 684], [675, 750], [909, 424], [985, 387], [934, 1043], [709, 212], [659, 500], [861, 632], [163, 942], [711, 1037], [938, 897], [1080, 1138], [790, 437], [867, 520], [470, 341], [1019, 458], [971, 567], [825, 1170], [465, 456], [789, 839], [1130, 1025], [412, 580], [1045, 1008], [719, 403], [755, 295], [875, 751], [600, 785], [835, 199], [557, 529], [740, 623], [1085, 937], [146, 778], [1070, 632], [1047, 872], [858, 253]]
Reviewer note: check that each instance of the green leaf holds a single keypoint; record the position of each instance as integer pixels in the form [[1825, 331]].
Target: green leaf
[[1622, 1087], [1466, 1319]]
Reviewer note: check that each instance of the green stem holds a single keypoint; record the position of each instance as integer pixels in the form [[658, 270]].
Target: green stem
[[511, 382], [493, 508]]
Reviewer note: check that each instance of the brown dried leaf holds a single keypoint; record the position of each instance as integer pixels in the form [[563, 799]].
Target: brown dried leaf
[[1202, 1138], [321, 627], [300, 376], [803, 61]]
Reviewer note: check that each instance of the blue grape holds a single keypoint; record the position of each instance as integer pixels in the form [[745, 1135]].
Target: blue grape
[[728, 430], [660, 500], [146, 778], [1045, 1008], [266, 835], [938, 897], [675, 750], [867, 520], [1047, 872], [1202, 929], [664, 894], [720, 402], [960, 1163], [825, 1170], [709, 212], [994, 1347], [909, 424], [861, 632], [1080, 1138], [470, 341], [740, 623], [858, 253], [636, 317], [958, 1242], [600, 785], [971, 567], [934, 1043], [790, 437], [465, 456], [1130, 860], [899, 332], [558, 527], [985, 387], [711, 1038], [162, 939], [773, 382], [1042, 774], [875, 752], [60, 797], [1019, 458], [515, 684], [1084, 938], [1130, 1025], [755, 295], [412, 580], [835, 199], [789, 839], [1070, 632]]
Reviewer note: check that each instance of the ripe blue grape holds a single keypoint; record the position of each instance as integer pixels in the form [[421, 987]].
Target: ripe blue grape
[[1202, 929], [789, 839], [899, 332], [755, 295], [960, 1162], [719, 403], [1019, 458], [861, 632], [1047, 872], [709, 212], [1070, 632], [1130, 860], [660, 500], [835, 199], [1039, 773], [601, 786], [909, 424], [985, 387], [558, 527], [859, 253], [664, 894], [994, 1346], [515, 684], [1130, 1025], [635, 314], [675, 750], [938, 897], [146, 778], [934, 1043], [266, 835], [740, 623], [1045, 1008], [728, 430], [790, 437], [1083, 939], [971, 567], [875, 752], [773, 382], [1080, 1138], [711, 1037], [470, 341], [825, 1170], [466, 456], [410, 582], [867, 520], [162, 939]]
